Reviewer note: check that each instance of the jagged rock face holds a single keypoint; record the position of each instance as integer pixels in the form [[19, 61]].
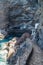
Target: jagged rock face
[[15, 12], [21, 11]]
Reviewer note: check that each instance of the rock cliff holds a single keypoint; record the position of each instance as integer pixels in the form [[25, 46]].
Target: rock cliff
[[15, 12]]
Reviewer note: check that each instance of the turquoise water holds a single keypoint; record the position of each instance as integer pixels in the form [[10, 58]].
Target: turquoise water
[[7, 39], [2, 61]]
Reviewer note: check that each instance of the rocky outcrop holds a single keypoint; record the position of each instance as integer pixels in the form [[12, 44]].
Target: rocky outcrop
[[23, 52], [21, 12], [15, 12]]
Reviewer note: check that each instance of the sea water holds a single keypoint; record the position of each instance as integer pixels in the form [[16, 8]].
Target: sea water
[[3, 61]]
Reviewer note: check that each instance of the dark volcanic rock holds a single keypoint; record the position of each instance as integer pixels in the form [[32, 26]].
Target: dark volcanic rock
[[21, 11], [17, 12]]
